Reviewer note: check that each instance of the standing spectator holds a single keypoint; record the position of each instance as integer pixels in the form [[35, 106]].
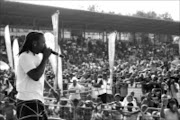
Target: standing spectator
[[144, 115], [172, 112], [123, 90], [75, 90], [148, 100], [173, 88]]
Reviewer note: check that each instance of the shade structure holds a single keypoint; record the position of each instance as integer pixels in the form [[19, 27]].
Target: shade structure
[[30, 16]]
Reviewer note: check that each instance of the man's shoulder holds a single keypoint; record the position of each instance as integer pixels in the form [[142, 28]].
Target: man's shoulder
[[25, 55]]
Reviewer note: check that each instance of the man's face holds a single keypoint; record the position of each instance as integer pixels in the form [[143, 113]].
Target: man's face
[[117, 98], [41, 44], [74, 82]]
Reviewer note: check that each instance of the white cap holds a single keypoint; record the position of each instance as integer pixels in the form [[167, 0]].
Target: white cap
[[74, 78]]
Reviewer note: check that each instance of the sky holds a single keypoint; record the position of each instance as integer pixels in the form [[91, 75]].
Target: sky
[[127, 7]]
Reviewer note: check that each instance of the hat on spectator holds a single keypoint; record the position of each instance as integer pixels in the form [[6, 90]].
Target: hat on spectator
[[164, 96], [74, 78], [100, 76], [117, 94]]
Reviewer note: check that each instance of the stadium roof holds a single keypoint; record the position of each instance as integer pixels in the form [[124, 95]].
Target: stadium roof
[[29, 16]]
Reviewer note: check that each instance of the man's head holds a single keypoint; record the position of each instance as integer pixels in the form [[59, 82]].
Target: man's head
[[132, 93], [129, 98], [148, 96], [144, 107], [35, 42], [74, 82], [172, 103], [117, 97]]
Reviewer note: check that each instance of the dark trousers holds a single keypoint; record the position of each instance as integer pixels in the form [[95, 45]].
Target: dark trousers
[[31, 110], [104, 98]]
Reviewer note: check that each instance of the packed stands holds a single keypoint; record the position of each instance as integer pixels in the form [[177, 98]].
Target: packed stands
[[137, 66]]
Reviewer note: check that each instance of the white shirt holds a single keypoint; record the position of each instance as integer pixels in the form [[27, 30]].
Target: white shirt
[[125, 104], [170, 116], [173, 93], [78, 88], [27, 88], [145, 116]]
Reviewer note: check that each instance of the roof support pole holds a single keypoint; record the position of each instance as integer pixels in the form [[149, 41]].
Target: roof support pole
[[62, 30], [119, 36], [35, 26], [103, 36], [84, 31], [133, 37]]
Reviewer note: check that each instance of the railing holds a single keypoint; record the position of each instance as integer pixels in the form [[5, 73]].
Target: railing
[[72, 112]]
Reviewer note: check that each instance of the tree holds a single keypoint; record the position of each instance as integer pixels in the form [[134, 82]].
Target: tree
[[154, 15], [92, 8], [111, 12], [166, 16]]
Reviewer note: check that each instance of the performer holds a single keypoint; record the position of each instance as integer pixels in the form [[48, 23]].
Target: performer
[[33, 57]]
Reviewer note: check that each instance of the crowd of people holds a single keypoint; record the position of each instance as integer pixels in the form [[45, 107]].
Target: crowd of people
[[85, 66]]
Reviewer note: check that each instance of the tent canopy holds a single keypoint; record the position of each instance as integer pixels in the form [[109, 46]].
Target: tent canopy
[[3, 66], [37, 16]]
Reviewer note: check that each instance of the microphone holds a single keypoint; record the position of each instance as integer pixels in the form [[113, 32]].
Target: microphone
[[57, 54]]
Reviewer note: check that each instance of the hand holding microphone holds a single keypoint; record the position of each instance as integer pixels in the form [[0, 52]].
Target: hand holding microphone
[[46, 52], [57, 54]]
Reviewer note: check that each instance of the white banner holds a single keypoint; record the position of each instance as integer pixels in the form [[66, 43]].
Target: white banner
[[15, 53], [59, 79], [111, 50], [50, 42], [8, 46]]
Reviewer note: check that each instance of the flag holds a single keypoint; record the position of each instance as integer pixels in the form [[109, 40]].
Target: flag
[[15, 54], [8, 46], [111, 50], [59, 79]]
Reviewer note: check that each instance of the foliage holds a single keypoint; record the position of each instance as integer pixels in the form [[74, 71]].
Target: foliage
[[153, 15], [92, 8]]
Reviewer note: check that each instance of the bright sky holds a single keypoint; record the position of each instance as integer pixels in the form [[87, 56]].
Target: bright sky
[[124, 7]]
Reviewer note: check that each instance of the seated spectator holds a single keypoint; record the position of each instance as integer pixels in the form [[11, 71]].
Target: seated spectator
[[134, 98], [133, 114], [144, 115], [97, 113], [129, 99], [148, 100]]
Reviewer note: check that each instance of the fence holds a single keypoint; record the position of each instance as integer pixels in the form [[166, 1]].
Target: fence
[[69, 111]]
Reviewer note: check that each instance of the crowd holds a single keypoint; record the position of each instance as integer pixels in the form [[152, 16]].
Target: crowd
[[85, 67]]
